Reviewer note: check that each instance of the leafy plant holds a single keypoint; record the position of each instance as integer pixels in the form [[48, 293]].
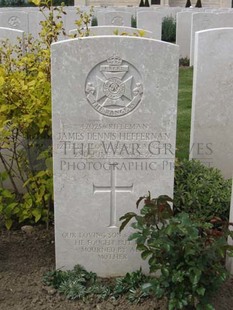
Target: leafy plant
[[188, 4], [201, 191], [184, 62], [138, 33], [133, 21], [83, 22], [198, 4], [94, 21], [141, 4], [131, 285], [169, 29], [188, 253], [25, 120], [80, 284]]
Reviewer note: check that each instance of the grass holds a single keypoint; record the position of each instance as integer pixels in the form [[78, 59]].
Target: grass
[[184, 112]]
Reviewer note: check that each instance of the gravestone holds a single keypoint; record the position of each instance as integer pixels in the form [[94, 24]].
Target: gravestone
[[204, 21], [14, 19], [12, 35], [117, 30], [114, 18], [212, 109], [36, 17], [152, 21], [114, 128], [183, 32]]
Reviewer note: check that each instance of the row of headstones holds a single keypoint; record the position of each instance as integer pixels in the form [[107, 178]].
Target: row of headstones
[[120, 91], [114, 129], [28, 19], [189, 22]]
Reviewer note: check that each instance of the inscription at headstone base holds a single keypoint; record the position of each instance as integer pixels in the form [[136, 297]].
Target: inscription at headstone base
[[114, 139]]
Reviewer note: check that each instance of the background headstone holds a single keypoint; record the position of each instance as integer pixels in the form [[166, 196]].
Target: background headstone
[[114, 18], [14, 19], [114, 128], [152, 21], [12, 35], [204, 21], [212, 105]]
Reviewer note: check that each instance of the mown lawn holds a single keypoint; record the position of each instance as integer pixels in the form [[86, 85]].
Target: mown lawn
[[184, 112]]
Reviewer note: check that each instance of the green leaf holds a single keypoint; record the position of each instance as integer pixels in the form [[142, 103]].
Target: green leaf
[[36, 2], [127, 217], [165, 272], [142, 247], [8, 223], [134, 236], [145, 254], [37, 214], [200, 291], [139, 200]]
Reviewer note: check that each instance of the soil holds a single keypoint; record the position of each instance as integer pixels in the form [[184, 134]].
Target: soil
[[26, 256]]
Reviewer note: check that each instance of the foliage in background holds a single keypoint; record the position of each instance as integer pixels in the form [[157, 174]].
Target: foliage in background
[[201, 191], [133, 21], [198, 4], [184, 62], [169, 29], [25, 121], [141, 4], [94, 21], [22, 3], [188, 253], [83, 22], [80, 284], [137, 33]]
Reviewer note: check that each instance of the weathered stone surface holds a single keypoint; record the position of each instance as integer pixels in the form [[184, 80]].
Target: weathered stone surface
[[183, 32], [12, 35], [204, 21], [212, 109], [152, 21], [14, 19], [114, 125], [114, 18]]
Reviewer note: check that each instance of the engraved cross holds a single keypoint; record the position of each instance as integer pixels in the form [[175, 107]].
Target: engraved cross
[[113, 189]]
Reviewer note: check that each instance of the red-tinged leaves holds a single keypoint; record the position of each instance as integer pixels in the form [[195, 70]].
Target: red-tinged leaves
[[126, 218]]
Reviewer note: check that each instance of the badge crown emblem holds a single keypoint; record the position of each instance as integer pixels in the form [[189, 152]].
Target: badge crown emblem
[[114, 60]]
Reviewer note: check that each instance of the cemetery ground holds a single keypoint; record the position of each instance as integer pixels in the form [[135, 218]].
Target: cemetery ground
[[25, 256]]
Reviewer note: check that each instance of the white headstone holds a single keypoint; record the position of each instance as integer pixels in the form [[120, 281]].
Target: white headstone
[[35, 19], [183, 32], [152, 21], [212, 105], [12, 35], [117, 30], [14, 19], [114, 18], [204, 21], [114, 128]]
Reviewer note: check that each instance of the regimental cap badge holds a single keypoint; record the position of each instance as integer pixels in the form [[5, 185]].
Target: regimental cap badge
[[114, 87]]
